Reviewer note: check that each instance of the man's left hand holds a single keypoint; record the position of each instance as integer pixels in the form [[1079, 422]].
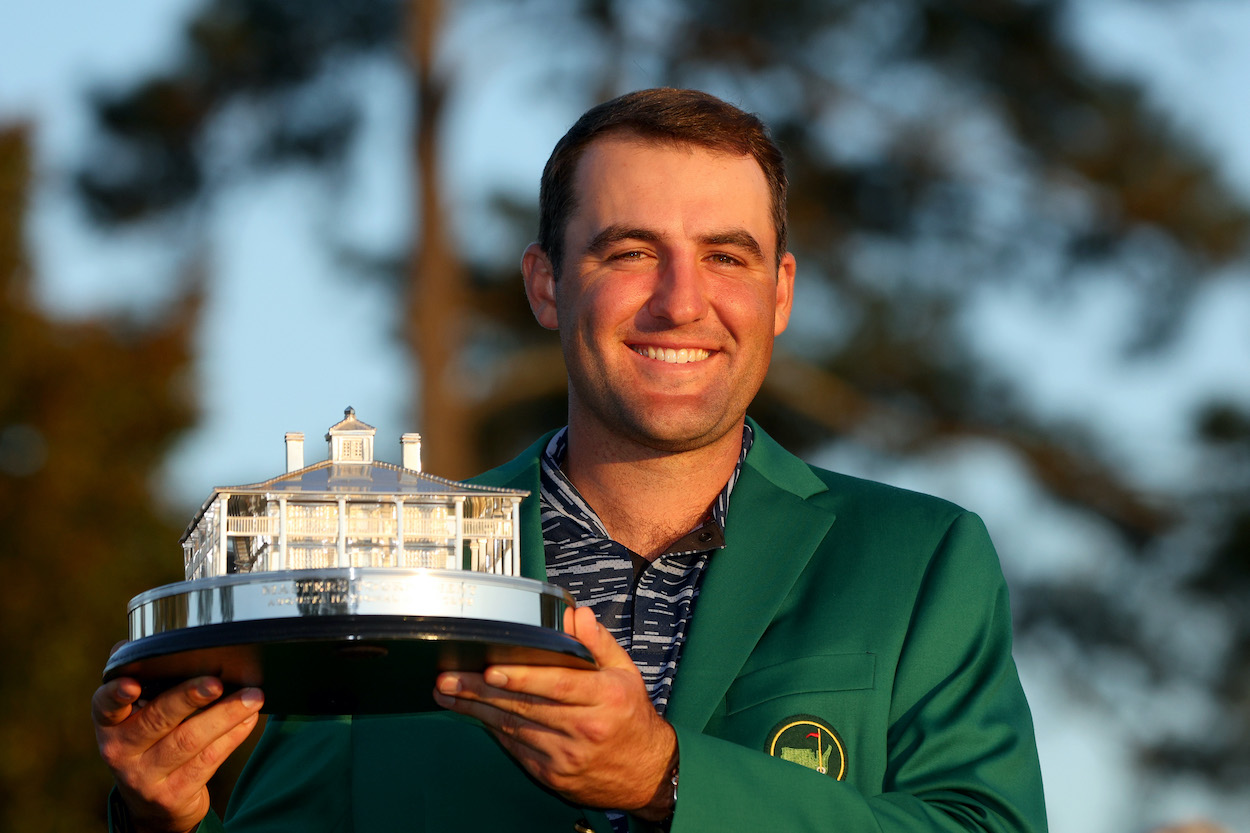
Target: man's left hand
[[591, 735]]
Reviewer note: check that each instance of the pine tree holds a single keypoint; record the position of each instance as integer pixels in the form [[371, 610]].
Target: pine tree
[[88, 411]]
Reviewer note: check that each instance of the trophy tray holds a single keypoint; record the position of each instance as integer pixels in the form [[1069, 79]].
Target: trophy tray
[[350, 640]]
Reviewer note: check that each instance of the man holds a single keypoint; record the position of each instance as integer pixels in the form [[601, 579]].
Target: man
[[785, 648]]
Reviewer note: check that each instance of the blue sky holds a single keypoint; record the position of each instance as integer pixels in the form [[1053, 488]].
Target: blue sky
[[288, 342]]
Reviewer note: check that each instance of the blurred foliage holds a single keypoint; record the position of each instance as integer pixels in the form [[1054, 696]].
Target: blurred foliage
[[88, 411], [937, 148]]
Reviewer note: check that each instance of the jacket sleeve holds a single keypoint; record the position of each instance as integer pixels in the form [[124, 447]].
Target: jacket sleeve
[[961, 754]]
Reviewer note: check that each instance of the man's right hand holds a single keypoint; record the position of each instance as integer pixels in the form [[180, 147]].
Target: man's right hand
[[162, 753]]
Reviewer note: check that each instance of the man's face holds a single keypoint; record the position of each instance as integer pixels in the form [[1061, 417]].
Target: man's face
[[670, 293]]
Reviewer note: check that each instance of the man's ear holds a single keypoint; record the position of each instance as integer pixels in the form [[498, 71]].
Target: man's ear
[[540, 285], [785, 294]]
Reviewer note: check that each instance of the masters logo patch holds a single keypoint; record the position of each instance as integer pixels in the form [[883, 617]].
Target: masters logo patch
[[810, 741]]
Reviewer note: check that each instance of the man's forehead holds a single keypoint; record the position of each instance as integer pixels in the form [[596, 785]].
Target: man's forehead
[[628, 158], [630, 140]]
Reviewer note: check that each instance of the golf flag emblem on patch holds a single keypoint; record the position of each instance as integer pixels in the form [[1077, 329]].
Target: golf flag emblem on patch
[[810, 742]]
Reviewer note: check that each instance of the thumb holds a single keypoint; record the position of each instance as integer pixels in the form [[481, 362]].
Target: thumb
[[603, 647]]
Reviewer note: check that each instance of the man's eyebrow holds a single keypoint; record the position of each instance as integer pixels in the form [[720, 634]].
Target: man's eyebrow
[[735, 237], [616, 233]]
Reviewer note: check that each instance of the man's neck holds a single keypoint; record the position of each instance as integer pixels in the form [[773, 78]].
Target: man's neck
[[647, 499]]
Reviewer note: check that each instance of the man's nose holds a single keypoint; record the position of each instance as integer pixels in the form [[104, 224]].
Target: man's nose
[[680, 293]]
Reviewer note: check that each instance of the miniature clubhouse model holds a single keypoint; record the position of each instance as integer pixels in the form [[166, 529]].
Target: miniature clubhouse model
[[364, 576]]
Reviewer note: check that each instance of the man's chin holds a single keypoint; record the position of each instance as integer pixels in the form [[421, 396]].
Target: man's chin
[[674, 434], [663, 423]]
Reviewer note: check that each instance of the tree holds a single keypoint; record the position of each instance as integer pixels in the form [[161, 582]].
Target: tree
[[88, 411], [938, 150]]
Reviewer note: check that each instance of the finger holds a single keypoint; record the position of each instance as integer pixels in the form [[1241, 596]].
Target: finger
[[522, 737], [544, 726], [564, 685], [189, 740], [603, 647], [470, 694], [169, 709], [464, 686], [523, 689], [202, 766], [114, 701]]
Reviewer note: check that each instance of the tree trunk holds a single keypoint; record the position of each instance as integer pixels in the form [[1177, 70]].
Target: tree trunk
[[436, 284]]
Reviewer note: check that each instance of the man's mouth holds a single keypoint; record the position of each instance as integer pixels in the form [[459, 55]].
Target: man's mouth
[[672, 356]]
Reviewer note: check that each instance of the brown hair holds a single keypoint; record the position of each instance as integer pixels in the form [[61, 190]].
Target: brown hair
[[681, 117]]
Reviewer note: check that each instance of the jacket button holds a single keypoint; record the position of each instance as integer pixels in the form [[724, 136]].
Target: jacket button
[[582, 826]]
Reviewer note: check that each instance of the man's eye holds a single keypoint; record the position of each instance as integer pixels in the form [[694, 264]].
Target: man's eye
[[727, 260]]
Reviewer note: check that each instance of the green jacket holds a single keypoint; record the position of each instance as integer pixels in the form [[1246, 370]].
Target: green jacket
[[837, 604]]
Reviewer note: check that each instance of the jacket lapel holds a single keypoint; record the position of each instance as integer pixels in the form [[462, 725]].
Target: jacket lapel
[[772, 530]]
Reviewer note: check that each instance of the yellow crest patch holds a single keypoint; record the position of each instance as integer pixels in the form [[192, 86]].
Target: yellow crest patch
[[809, 741]]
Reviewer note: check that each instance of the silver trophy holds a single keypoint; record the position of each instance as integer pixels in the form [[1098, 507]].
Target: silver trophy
[[346, 586]]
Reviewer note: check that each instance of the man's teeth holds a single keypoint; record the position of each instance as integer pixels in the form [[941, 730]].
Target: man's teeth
[[668, 354]]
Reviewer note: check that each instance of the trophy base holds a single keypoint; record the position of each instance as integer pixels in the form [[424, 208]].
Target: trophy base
[[340, 664], [342, 640]]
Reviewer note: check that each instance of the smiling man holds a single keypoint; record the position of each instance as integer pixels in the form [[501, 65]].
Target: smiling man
[[668, 298], [778, 647]]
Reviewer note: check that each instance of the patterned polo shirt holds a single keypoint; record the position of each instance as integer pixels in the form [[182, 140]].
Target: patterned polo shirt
[[645, 605]]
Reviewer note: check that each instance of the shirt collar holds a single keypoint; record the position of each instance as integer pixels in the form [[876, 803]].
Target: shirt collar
[[564, 498]]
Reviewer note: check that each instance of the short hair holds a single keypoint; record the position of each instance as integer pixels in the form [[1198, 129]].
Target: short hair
[[666, 116]]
